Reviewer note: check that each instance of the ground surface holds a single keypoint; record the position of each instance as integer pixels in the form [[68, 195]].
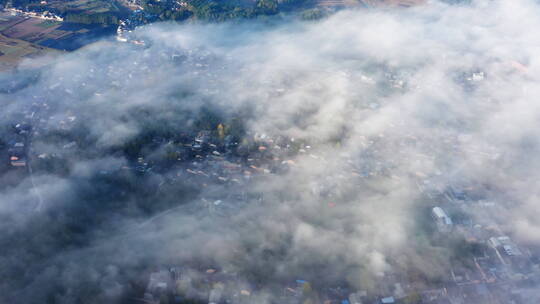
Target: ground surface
[[22, 37], [13, 51]]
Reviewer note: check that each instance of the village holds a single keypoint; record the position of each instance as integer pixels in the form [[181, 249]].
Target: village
[[500, 269], [496, 268]]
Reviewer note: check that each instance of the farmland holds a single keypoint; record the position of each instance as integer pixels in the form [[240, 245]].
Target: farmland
[[33, 30], [22, 36], [65, 36], [14, 50], [91, 10], [87, 6]]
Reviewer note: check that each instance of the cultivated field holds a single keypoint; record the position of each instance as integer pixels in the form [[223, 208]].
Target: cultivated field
[[13, 51], [87, 6], [23, 37], [33, 30], [49, 33]]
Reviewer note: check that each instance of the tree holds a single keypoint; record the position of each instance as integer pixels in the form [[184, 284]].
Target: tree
[[413, 298], [221, 131], [163, 299], [267, 7], [313, 14]]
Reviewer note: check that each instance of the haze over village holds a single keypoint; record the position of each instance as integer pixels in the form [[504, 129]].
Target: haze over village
[[317, 153]]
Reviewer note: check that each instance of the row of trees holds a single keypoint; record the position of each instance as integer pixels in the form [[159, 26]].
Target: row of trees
[[208, 10], [108, 18], [211, 10]]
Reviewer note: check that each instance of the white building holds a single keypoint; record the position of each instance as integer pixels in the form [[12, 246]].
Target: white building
[[444, 222], [506, 245]]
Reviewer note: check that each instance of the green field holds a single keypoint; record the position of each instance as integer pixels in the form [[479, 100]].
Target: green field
[[48, 23], [12, 51], [89, 6]]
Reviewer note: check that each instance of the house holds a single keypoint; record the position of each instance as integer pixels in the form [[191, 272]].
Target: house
[[216, 293], [356, 297], [159, 283], [18, 162], [17, 151], [505, 245], [479, 76], [444, 222]]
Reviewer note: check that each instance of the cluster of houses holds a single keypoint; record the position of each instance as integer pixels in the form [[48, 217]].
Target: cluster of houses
[[499, 267], [17, 153], [124, 32], [33, 121], [18, 144], [210, 160], [178, 284], [210, 157]]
